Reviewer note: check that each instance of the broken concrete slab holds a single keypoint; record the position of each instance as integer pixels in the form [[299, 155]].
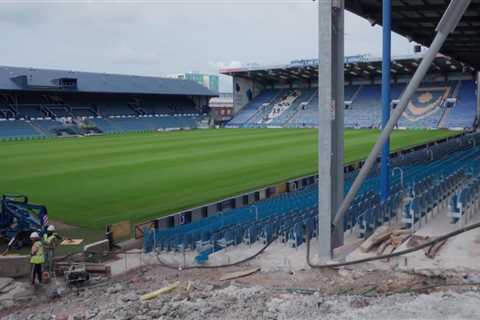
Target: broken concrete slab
[[14, 266], [5, 283]]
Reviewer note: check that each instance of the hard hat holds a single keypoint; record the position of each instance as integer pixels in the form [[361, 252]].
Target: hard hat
[[34, 235], [51, 228]]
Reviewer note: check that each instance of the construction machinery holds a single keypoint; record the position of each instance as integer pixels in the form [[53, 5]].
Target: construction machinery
[[19, 218], [76, 276]]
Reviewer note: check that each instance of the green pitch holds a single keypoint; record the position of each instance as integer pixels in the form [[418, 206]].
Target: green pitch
[[98, 180]]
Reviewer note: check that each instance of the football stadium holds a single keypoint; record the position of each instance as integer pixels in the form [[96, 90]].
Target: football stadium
[[110, 134], [326, 164]]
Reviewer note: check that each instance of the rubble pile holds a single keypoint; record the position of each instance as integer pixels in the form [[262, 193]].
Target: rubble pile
[[197, 299]]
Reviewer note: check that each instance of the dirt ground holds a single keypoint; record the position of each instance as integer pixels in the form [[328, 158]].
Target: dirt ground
[[285, 287], [304, 294]]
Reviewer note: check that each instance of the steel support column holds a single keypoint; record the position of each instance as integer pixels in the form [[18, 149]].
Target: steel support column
[[330, 130], [339, 122], [478, 98], [447, 24], [386, 96]]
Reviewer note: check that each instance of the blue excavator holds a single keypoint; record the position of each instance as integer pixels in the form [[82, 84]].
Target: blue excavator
[[19, 218]]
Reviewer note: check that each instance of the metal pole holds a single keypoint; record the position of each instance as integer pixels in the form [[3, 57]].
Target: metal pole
[[478, 98], [386, 97], [339, 97], [331, 121], [325, 107], [447, 24]]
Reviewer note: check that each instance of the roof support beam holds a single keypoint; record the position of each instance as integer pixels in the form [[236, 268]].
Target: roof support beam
[[447, 24]]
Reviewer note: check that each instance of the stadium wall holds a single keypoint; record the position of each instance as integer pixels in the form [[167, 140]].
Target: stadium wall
[[245, 199]]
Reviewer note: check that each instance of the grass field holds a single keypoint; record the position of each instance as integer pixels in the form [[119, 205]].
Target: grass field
[[93, 181]]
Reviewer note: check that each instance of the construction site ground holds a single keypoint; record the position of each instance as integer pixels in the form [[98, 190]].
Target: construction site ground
[[281, 286]]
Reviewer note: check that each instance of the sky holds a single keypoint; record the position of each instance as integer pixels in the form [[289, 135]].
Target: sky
[[164, 37]]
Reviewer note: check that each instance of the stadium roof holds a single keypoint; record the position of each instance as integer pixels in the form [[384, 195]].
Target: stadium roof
[[417, 20], [29, 79], [360, 67]]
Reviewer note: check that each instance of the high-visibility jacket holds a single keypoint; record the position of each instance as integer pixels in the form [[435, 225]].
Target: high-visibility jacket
[[48, 239], [37, 253]]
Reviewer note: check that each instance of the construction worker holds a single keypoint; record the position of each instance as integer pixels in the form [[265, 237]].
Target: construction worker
[[50, 240], [37, 257]]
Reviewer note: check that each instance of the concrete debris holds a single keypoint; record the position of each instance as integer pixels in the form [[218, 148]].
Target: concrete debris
[[471, 278], [5, 283], [199, 295], [13, 291], [114, 289]]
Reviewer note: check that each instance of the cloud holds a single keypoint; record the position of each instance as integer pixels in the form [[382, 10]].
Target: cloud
[[125, 54], [23, 15], [230, 64], [169, 37]]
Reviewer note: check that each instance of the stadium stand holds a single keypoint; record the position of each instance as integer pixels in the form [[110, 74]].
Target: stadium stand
[[441, 101], [464, 110], [18, 129], [306, 113], [363, 106], [47, 127], [253, 106], [431, 177], [364, 111], [39, 103]]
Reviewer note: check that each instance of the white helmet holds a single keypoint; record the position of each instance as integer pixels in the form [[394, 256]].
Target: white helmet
[[51, 228], [34, 235]]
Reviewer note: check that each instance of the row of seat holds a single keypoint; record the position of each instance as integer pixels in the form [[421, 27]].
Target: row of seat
[[425, 202], [444, 177], [465, 201], [428, 179], [25, 129], [206, 228], [291, 228]]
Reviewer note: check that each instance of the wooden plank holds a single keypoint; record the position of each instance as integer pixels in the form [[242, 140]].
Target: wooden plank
[[398, 232], [381, 247], [398, 240], [71, 242], [389, 249], [154, 294], [380, 235], [238, 274], [121, 230]]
